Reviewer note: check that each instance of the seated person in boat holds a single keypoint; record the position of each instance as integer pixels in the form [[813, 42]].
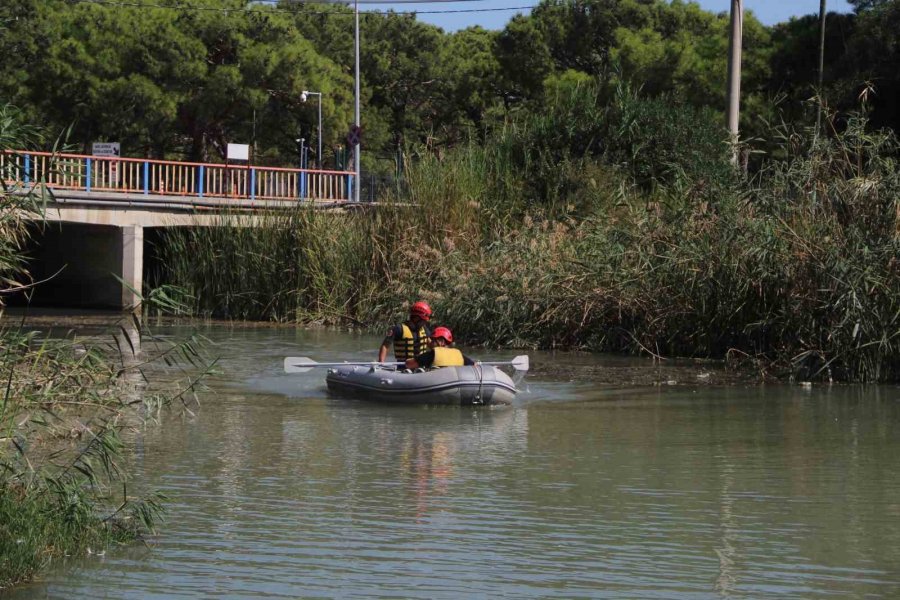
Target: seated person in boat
[[410, 338], [442, 355]]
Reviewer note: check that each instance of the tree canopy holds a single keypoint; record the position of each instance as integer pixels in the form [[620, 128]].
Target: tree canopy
[[178, 81]]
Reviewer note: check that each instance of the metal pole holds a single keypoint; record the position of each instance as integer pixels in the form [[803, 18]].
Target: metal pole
[[822, 14], [734, 74], [319, 155], [356, 102]]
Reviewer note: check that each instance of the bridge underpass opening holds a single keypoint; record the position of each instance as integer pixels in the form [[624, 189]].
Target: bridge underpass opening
[[77, 265]]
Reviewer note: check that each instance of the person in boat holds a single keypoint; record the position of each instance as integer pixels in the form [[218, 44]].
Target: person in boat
[[442, 355], [410, 338]]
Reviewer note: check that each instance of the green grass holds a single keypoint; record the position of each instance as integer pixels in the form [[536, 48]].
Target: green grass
[[56, 518]]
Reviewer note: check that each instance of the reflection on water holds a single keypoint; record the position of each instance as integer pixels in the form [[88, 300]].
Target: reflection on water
[[583, 489]]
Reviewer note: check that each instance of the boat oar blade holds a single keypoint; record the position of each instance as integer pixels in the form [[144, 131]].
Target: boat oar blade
[[520, 363], [299, 364]]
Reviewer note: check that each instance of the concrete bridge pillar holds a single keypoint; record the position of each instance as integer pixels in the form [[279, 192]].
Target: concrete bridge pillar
[[132, 244]]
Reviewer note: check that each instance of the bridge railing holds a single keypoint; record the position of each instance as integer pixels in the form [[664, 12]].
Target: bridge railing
[[169, 178]]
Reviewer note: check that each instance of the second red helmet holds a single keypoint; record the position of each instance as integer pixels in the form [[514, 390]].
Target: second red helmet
[[442, 332], [420, 309]]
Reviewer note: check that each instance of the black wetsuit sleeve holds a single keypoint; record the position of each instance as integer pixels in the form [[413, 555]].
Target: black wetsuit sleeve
[[426, 359]]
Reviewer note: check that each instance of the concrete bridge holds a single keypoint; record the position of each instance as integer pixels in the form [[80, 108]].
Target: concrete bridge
[[97, 210]]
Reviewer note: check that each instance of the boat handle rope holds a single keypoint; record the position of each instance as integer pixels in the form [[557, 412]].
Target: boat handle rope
[[480, 371]]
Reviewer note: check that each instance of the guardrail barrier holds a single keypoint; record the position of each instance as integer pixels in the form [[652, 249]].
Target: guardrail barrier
[[170, 178]]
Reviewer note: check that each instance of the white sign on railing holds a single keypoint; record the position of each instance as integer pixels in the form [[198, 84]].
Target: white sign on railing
[[110, 174], [238, 152], [106, 149]]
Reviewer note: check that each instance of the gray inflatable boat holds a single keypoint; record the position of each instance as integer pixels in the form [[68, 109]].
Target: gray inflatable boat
[[474, 385]]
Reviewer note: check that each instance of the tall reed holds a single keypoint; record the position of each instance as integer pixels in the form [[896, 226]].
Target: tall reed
[[62, 483], [643, 241], [63, 404], [797, 269]]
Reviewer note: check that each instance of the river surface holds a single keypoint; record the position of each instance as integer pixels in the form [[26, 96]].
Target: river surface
[[609, 478]]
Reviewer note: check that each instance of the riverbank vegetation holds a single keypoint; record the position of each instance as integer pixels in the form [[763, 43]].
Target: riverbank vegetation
[[792, 270], [67, 403], [60, 414], [63, 490], [64, 406]]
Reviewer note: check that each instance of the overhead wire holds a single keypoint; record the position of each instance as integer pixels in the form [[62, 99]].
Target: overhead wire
[[300, 7]]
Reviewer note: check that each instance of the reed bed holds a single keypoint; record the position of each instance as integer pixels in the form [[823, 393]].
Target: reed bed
[[608, 237], [64, 474], [60, 456], [797, 271]]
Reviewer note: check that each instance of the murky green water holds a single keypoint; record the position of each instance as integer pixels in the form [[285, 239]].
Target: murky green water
[[584, 489]]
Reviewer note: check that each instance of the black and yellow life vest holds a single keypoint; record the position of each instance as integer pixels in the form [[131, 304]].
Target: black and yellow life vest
[[447, 357], [412, 343]]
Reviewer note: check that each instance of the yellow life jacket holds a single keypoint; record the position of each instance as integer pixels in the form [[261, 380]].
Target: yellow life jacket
[[412, 344], [447, 357]]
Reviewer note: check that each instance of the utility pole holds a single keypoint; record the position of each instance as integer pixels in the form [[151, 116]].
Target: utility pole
[[356, 107], [734, 74], [821, 100]]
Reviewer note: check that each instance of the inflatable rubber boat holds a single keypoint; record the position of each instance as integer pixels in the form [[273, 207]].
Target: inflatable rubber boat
[[472, 385]]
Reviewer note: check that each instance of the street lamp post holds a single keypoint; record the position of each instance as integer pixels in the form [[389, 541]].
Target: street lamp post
[[356, 91], [356, 104], [734, 74], [303, 96]]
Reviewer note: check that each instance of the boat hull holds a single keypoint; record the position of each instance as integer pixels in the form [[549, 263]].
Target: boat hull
[[460, 386]]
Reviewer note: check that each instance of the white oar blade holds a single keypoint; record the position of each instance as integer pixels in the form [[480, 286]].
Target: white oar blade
[[298, 364], [520, 363]]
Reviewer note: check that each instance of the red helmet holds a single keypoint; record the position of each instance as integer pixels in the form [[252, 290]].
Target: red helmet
[[420, 309], [442, 332]]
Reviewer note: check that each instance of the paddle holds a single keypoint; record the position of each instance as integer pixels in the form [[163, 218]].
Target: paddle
[[302, 364]]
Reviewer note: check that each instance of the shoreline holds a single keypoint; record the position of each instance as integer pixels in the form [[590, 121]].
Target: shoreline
[[678, 371]]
